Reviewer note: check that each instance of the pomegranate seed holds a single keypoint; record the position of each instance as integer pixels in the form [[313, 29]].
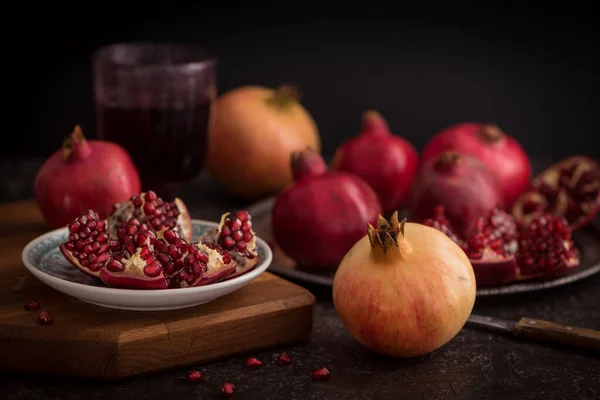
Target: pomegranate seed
[[32, 305], [228, 242], [253, 363], [195, 376], [228, 389], [44, 318], [320, 374], [242, 215], [153, 270], [150, 195], [236, 224], [284, 359], [237, 235], [246, 226], [115, 266]]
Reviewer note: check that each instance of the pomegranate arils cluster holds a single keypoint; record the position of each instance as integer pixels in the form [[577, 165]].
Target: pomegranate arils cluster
[[569, 189], [441, 223], [236, 233], [546, 246], [170, 248], [156, 213], [502, 252], [87, 245]]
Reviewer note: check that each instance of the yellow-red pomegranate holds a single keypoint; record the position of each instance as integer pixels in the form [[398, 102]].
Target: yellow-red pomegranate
[[404, 289], [255, 130]]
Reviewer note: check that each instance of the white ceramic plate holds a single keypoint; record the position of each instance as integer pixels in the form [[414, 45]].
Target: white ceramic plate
[[44, 260]]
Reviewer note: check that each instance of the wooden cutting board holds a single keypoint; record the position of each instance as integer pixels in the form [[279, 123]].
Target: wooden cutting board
[[91, 341]]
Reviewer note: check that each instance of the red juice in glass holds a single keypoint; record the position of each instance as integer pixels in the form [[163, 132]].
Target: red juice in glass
[[156, 100]]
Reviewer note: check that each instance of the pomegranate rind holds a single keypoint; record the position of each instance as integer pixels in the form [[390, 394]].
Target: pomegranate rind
[[184, 220], [550, 177], [494, 270], [75, 262], [129, 282]]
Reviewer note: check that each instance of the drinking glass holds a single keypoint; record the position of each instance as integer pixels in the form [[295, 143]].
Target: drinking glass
[[155, 100]]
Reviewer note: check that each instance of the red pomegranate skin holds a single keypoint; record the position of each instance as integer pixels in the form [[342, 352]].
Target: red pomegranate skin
[[385, 161], [320, 216], [84, 175], [461, 183], [501, 153]]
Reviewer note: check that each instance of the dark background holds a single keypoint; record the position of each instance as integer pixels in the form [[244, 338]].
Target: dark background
[[532, 70]]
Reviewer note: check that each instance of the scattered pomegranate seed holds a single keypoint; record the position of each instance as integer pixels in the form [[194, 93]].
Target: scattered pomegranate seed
[[228, 389], [45, 318], [284, 359], [32, 305], [271, 244], [195, 376], [320, 374], [253, 363]]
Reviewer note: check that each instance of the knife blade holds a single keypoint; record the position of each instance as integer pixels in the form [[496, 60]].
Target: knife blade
[[541, 331]]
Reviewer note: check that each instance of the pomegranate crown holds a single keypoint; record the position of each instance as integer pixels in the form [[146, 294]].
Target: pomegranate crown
[[387, 234], [75, 146], [447, 160], [373, 123], [285, 95], [307, 163], [491, 132]]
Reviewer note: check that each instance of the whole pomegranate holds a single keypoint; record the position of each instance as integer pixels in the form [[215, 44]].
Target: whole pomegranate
[[318, 218], [405, 289], [386, 162], [501, 153], [255, 130], [462, 184], [84, 175]]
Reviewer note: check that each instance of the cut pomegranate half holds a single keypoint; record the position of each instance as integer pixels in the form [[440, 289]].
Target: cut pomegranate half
[[570, 189], [235, 235], [502, 252], [134, 268], [87, 245], [203, 264], [491, 246], [150, 209], [546, 248]]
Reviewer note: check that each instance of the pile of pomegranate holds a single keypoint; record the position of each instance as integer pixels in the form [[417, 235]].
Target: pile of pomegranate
[[472, 181], [146, 243]]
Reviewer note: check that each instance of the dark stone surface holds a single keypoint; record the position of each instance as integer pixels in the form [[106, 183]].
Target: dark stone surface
[[476, 364]]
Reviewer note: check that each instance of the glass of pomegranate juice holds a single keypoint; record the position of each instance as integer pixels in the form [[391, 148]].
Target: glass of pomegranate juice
[[155, 100]]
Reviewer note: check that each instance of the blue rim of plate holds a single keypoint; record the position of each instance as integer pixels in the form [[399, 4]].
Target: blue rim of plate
[[261, 211], [46, 246]]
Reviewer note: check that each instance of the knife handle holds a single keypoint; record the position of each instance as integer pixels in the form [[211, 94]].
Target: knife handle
[[536, 329]]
